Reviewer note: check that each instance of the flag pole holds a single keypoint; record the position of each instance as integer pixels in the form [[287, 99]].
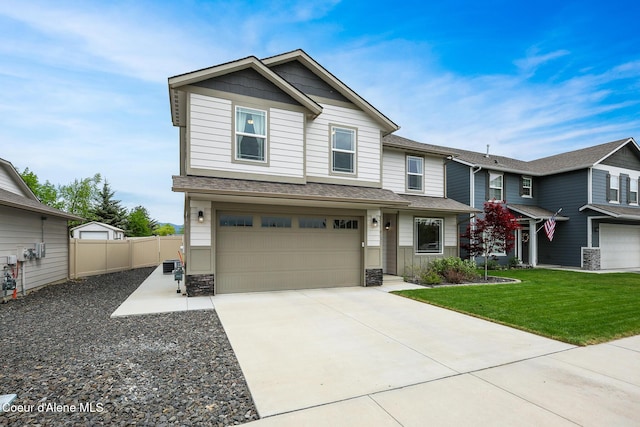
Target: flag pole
[[553, 216]]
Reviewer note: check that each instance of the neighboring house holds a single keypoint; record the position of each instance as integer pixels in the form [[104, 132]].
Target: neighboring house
[[596, 188], [34, 239], [289, 185], [97, 231]]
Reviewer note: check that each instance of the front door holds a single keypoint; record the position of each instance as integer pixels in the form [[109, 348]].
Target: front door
[[524, 244], [390, 244]]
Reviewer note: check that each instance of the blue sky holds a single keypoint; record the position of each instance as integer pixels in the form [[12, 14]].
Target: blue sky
[[84, 83]]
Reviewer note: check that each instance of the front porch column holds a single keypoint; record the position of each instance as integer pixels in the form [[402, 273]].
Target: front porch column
[[533, 243]]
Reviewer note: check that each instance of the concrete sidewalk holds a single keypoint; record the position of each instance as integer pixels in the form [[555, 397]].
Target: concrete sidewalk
[[363, 357], [157, 294]]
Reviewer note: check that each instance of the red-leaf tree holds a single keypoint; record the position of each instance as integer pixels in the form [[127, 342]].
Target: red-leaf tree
[[493, 233]]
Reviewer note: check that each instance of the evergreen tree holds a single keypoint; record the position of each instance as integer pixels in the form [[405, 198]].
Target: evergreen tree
[[107, 210]]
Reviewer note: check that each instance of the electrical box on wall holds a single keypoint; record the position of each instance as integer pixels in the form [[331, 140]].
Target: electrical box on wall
[[40, 250], [20, 252], [12, 260]]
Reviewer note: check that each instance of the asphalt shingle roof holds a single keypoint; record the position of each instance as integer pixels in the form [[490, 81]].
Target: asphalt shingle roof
[[572, 160], [7, 198], [309, 191]]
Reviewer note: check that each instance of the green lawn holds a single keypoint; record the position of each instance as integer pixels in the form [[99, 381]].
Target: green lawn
[[578, 308]]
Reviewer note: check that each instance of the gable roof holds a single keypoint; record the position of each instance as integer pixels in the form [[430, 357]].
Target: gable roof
[[263, 67], [302, 57], [579, 159], [177, 97], [27, 201], [563, 162], [102, 224]]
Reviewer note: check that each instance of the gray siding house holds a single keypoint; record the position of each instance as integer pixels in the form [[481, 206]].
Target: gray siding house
[[34, 239], [289, 183], [596, 188]]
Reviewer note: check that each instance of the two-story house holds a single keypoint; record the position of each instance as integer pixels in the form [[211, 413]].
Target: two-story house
[[595, 190], [288, 184]]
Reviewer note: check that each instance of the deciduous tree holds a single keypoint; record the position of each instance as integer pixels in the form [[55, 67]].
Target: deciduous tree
[[491, 233]]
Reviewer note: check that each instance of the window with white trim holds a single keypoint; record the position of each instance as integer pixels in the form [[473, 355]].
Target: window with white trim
[[251, 134], [415, 173], [428, 235], [633, 191], [495, 186], [343, 150], [526, 186], [614, 189]]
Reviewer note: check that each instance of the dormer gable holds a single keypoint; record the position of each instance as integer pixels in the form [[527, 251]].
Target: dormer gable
[[249, 67]]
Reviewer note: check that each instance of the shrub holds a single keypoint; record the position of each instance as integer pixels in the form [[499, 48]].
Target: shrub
[[430, 277], [454, 269], [514, 262]]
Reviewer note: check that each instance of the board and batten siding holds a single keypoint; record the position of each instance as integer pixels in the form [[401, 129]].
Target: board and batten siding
[[394, 173], [19, 228], [212, 139], [367, 146]]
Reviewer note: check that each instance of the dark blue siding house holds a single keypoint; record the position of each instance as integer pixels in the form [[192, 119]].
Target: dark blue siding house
[[595, 189]]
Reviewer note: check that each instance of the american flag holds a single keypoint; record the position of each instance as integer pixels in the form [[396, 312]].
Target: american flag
[[550, 227]]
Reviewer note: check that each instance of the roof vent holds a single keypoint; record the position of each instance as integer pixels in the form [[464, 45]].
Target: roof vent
[[487, 155]]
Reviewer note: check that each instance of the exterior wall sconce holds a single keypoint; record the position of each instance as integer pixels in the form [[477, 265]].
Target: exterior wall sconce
[[200, 216], [374, 221], [387, 226]]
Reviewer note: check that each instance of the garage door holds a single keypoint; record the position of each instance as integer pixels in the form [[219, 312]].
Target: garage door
[[619, 246], [94, 235], [259, 252]]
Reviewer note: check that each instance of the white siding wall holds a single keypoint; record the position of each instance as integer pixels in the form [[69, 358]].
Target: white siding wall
[[211, 136], [23, 229], [393, 171], [373, 233], [368, 144], [8, 183], [200, 232], [434, 177]]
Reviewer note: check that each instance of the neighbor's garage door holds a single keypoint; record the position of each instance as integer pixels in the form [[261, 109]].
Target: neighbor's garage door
[[619, 246], [94, 235], [257, 252]]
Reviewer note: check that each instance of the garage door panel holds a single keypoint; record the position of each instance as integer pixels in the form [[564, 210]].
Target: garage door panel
[[271, 258], [619, 246]]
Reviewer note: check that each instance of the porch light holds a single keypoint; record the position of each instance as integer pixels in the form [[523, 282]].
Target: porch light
[[200, 216], [387, 226], [374, 221]]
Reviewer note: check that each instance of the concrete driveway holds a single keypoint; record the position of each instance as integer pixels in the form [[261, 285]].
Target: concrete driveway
[[361, 356]]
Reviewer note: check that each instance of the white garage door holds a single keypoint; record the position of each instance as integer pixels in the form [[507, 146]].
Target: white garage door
[[619, 246], [94, 235], [266, 252]]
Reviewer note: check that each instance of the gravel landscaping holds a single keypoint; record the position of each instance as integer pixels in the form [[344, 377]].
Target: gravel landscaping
[[71, 364]]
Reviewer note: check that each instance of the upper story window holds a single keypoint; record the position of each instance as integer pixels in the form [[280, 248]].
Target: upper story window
[[251, 134], [613, 190], [343, 150], [527, 185], [633, 191], [415, 173], [496, 186]]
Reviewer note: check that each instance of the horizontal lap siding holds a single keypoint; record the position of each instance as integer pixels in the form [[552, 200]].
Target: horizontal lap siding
[[21, 228], [434, 177], [8, 183], [368, 143], [211, 137], [393, 171]]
